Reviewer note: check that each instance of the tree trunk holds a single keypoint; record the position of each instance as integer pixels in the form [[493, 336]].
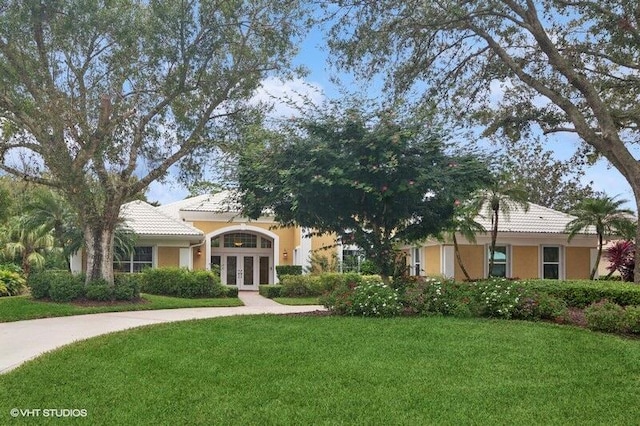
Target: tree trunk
[[494, 238], [459, 258], [597, 263], [99, 241]]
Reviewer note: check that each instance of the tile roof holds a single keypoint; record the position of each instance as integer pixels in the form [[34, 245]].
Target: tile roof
[[221, 202], [538, 220], [145, 219]]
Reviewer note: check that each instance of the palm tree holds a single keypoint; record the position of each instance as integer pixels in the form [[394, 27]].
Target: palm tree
[[501, 197], [464, 223], [605, 215], [28, 243]]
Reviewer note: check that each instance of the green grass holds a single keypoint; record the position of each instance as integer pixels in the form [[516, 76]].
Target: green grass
[[24, 307], [297, 300], [332, 370]]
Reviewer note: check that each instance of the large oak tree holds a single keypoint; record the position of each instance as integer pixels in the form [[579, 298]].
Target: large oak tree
[[100, 98], [565, 65]]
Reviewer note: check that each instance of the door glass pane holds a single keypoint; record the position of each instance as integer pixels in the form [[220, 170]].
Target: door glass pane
[[231, 270], [551, 254], [264, 270], [215, 263], [248, 270]]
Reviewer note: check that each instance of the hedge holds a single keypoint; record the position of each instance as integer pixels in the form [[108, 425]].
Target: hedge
[[283, 270], [270, 291], [581, 293], [180, 282]]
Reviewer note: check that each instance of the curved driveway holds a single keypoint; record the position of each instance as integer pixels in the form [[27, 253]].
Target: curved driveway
[[21, 341]]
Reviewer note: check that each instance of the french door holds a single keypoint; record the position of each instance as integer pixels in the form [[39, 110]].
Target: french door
[[246, 271]]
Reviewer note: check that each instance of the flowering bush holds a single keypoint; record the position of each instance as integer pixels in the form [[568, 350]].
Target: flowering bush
[[374, 300], [436, 296], [370, 297], [535, 306], [496, 297]]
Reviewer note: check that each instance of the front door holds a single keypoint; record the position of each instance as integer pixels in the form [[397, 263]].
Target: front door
[[240, 271]]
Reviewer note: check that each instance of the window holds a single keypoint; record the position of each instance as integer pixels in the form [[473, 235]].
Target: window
[[416, 261], [351, 260], [551, 263], [241, 240], [140, 258], [499, 261]]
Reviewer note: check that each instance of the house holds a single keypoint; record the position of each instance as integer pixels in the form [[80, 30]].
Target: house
[[206, 231], [530, 244]]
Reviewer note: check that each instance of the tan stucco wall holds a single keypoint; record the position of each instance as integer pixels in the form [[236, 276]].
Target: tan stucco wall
[[199, 259], [431, 260], [524, 262], [168, 256], [578, 261], [319, 244], [473, 260]]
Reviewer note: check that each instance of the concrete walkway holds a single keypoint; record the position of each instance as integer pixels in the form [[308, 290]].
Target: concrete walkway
[[24, 340]]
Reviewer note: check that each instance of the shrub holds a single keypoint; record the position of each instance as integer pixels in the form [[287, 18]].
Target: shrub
[[581, 293], [180, 282], [496, 297], [539, 305], [127, 286], [270, 291], [99, 290], [12, 282], [39, 283], [332, 280], [632, 319], [231, 291], [374, 300], [283, 270], [605, 316], [301, 286], [427, 295], [621, 256], [338, 301], [367, 267], [65, 287]]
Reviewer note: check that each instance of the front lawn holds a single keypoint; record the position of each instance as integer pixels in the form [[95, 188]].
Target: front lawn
[[296, 301], [337, 370], [19, 308]]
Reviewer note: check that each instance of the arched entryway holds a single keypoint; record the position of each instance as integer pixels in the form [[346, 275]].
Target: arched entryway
[[244, 254]]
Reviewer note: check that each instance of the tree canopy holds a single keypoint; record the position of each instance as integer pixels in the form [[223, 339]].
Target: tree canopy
[[99, 99], [374, 181], [564, 66]]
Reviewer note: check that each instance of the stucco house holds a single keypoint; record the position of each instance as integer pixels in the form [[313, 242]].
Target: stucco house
[[207, 230], [530, 244]]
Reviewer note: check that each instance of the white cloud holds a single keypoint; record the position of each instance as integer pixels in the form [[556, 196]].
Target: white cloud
[[289, 98]]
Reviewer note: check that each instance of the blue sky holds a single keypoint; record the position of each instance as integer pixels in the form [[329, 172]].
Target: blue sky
[[319, 85]]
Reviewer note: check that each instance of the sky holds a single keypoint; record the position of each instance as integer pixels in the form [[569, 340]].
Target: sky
[[319, 85]]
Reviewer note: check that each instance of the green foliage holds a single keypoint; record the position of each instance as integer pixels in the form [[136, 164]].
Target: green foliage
[[65, 287], [99, 290], [180, 282], [369, 297], [12, 283], [189, 66], [367, 267], [127, 286], [361, 176], [322, 264], [40, 282], [632, 319], [282, 270], [581, 293], [270, 291], [301, 286], [231, 291], [435, 296], [605, 316]]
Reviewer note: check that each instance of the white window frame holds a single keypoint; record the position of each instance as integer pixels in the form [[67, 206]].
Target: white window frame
[[507, 262], [560, 262], [416, 261], [131, 262]]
